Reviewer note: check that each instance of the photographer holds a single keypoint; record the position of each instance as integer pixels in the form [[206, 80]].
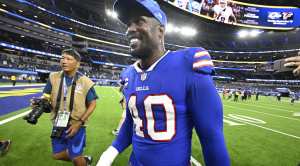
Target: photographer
[[73, 99], [295, 63]]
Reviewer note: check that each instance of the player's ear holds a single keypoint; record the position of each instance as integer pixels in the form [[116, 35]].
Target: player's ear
[[161, 30]]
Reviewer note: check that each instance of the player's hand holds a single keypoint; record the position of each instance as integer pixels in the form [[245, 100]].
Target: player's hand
[[108, 157], [294, 62], [73, 129]]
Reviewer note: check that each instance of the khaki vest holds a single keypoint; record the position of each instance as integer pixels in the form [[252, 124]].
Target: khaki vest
[[83, 85]]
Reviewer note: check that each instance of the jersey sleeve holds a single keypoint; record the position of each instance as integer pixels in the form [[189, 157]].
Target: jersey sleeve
[[206, 110], [201, 61], [123, 77], [48, 87], [124, 138]]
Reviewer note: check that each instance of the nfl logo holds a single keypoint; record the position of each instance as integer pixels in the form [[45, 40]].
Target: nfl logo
[[143, 76]]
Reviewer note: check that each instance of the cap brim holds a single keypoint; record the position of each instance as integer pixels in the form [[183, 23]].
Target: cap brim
[[126, 9]]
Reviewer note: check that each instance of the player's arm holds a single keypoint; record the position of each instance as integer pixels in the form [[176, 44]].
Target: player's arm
[[122, 141], [233, 16], [124, 137], [216, 12], [206, 109]]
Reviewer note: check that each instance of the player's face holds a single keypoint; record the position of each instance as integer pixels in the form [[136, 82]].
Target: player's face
[[144, 36], [68, 63], [223, 4]]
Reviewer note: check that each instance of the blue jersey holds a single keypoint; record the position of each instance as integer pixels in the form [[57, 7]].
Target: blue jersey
[[164, 104]]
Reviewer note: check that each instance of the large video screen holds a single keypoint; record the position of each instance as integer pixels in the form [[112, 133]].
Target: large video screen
[[242, 14]]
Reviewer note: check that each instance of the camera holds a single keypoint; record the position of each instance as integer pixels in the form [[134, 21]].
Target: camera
[[40, 106], [57, 132]]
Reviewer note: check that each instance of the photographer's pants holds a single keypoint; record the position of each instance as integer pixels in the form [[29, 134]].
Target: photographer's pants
[[74, 145]]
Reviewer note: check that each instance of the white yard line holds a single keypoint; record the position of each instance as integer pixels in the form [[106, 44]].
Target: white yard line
[[26, 85], [266, 107], [279, 116], [277, 106], [266, 128], [2, 122], [195, 162]]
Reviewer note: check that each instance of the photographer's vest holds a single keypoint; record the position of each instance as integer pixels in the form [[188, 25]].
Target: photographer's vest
[[83, 85]]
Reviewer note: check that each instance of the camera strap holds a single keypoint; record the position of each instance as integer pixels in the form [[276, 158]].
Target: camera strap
[[58, 98], [72, 93], [62, 117]]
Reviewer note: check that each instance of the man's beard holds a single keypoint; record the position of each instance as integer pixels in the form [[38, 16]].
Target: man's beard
[[144, 50]]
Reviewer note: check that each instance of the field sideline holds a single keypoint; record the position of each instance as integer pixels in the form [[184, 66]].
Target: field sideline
[[258, 133]]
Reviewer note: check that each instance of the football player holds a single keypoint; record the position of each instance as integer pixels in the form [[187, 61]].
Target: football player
[[168, 93], [223, 12]]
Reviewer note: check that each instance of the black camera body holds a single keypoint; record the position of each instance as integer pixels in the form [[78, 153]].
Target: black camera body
[[40, 106], [57, 132]]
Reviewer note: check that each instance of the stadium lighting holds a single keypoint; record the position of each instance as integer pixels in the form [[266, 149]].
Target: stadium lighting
[[169, 28], [254, 33], [108, 12], [243, 33], [187, 31], [114, 15], [35, 16], [176, 29], [53, 22], [111, 13], [3, 5], [246, 33], [21, 11]]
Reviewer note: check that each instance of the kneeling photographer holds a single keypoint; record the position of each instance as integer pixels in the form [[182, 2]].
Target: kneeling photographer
[[73, 99]]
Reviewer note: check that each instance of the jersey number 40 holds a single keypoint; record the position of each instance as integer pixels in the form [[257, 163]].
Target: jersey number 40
[[169, 115]]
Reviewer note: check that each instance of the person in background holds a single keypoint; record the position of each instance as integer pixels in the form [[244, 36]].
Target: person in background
[[123, 106], [13, 79], [4, 146]]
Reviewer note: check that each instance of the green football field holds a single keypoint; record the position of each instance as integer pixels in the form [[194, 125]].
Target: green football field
[[258, 133]]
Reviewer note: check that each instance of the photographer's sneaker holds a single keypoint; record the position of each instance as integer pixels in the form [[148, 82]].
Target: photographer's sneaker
[[89, 160], [5, 145]]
